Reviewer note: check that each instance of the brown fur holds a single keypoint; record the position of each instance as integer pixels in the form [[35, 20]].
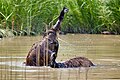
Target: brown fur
[[72, 63], [79, 62], [40, 52]]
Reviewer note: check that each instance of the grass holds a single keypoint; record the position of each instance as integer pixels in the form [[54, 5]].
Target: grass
[[85, 16], [6, 33]]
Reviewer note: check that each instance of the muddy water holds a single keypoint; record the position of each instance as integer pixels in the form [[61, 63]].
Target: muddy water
[[103, 50]]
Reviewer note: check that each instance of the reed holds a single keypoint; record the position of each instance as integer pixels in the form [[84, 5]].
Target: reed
[[85, 16]]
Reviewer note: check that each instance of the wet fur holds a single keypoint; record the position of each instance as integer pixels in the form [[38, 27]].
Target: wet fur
[[39, 55], [72, 63], [40, 52]]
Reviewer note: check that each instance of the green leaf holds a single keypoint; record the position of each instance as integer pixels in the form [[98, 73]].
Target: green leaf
[[9, 16], [3, 15]]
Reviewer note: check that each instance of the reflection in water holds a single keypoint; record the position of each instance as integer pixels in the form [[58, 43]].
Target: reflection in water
[[103, 50]]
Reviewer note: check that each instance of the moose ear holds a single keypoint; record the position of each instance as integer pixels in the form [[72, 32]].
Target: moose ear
[[65, 9]]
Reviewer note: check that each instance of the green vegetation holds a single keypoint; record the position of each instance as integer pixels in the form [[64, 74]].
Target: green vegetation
[[85, 16], [6, 33]]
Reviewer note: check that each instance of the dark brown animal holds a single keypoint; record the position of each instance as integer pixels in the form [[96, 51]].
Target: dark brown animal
[[72, 63], [39, 54]]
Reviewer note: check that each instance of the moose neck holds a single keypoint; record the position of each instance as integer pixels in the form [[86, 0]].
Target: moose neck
[[56, 27]]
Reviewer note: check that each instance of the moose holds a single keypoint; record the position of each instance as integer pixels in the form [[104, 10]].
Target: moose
[[72, 63], [40, 52], [44, 52]]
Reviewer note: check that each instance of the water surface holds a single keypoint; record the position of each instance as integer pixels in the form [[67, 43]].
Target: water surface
[[102, 50]]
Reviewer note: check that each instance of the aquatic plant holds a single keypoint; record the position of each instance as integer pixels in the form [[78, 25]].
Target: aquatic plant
[[85, 16], [6, 33]]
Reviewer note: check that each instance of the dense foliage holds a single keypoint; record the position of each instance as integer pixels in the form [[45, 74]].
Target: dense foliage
[[85, 16]]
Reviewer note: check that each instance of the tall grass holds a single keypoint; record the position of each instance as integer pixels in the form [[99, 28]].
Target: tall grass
[[85, 16]]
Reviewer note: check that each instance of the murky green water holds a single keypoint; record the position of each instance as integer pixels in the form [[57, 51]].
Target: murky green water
[[103, 50]]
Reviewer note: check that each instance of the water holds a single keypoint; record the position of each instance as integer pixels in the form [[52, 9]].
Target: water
[[102, 50]]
